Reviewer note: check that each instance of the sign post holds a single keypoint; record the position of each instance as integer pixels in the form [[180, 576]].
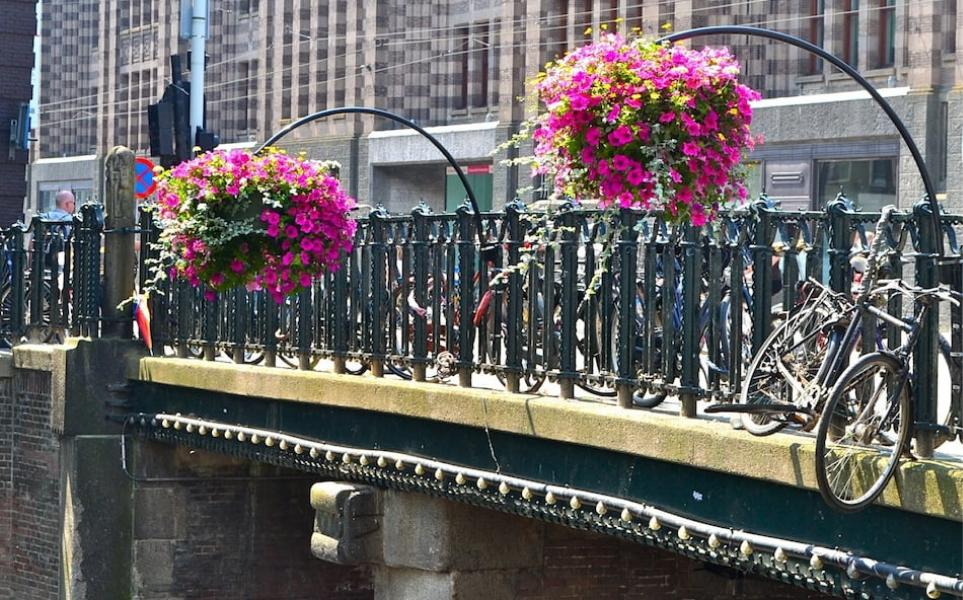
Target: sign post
[[144, 182]]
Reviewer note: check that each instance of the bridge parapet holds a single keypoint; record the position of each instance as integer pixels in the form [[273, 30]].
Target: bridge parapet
[[694, 486]]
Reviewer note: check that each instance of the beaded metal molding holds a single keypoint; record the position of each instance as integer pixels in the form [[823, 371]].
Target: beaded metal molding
[[788, 561]]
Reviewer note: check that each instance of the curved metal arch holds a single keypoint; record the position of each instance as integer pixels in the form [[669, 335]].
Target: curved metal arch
[[845, 68], [397, 119]]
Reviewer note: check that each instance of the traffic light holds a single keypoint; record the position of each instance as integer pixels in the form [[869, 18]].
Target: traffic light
[[207, 140], [160, 122], [171, 139]]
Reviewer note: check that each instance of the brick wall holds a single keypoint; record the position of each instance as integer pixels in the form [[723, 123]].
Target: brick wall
[[30, 525], [230, 530], [17, 27], [580, 565], [6, 485]]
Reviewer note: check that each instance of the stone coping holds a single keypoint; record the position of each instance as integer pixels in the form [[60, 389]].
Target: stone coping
[[929, 487]]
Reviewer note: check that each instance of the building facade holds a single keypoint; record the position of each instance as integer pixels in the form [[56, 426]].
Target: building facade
[[461, 67], [18, 27]]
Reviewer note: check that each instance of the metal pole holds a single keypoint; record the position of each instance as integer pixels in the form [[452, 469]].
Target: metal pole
[[855, 76], [198, 42]]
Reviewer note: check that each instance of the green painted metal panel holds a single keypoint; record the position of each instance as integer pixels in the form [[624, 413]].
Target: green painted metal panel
[[455, 194], [886, 534]]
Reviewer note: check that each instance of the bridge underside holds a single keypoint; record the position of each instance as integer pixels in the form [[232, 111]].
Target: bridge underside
[[697, 495]]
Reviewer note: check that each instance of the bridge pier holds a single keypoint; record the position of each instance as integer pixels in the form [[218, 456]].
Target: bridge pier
[[423, 548]]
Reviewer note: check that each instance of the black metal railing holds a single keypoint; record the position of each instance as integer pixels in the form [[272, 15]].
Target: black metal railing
[[670, 311], [50, 278], [673, 310]]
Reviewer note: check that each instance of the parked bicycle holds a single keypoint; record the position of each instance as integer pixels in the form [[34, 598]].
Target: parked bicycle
[[801, 376]]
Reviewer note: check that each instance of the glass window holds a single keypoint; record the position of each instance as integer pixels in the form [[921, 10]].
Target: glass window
[[850, 47], [814, 64], [47, 192], [886, 34], [869, 183]]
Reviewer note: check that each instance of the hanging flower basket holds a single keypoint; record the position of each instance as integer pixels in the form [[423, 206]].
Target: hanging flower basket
[[270, 221], [641, 124]]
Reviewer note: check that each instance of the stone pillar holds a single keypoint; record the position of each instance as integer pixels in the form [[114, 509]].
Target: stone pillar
[[120, 263], [430, 549], [437, 549]]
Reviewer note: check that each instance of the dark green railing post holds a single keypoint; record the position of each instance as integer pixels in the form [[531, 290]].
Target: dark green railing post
[[209, 312], [513, 317], [378, 298], [761, 248], [568, 249], [627, 248], [840, 245], [341, 323], [183, 310], [691, 309], [714, 335], [790, 278], [87, 271], [79, 281], [925, 355], [235, 316], [466, 268], [272, 312], [737, 270], [17, 287], [956, 346], [39, 229], [419, 350], [305, 318]]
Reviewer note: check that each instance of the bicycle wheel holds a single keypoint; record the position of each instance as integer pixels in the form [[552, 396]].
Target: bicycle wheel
[[529, 382], [588, 345], [787, 363], [864, 428]]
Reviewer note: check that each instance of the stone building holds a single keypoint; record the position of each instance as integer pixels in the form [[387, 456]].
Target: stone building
[[460, 67], [17, 27]]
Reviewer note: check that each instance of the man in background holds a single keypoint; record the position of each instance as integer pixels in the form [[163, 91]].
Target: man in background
[[66, 204]]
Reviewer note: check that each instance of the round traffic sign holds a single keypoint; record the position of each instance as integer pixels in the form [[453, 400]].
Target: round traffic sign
[[144, 183]]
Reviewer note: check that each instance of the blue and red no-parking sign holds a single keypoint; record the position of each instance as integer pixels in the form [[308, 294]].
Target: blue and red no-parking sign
[[144, 182]]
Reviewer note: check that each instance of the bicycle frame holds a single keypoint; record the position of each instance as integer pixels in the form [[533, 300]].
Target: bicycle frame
[[836, 358]]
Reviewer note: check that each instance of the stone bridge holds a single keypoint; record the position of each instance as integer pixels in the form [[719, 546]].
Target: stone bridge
[[124, 476]]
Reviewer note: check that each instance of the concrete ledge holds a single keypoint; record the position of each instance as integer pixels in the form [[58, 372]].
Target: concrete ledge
[[34, 357], [927, 486]]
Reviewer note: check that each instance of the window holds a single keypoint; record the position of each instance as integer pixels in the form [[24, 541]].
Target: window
[[480, 65], [885, 34], [944, 145], [815, 35], [850, 33], [556, 25], [950, 27], [666, 16], [47, 193], [461, 61], [611, 15], [472, 69], [583, 20], [869, 183]]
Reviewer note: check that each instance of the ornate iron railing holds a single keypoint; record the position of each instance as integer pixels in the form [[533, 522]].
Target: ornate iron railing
[[671, 311], [674, 310], [50, 278]]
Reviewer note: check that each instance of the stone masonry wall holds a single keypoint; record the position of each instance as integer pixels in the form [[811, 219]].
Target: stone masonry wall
[[30, 522], [228, 529]]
